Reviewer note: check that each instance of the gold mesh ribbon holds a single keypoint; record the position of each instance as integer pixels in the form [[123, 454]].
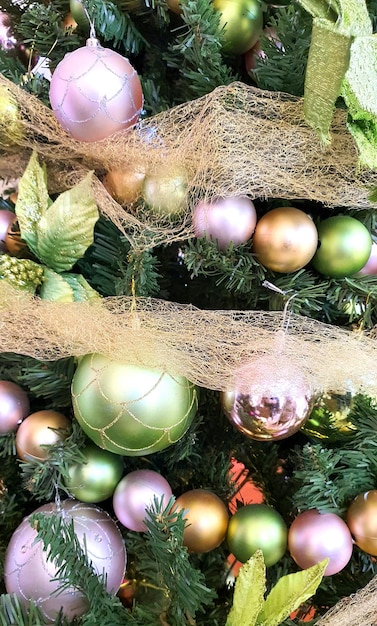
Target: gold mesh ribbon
[[275, 155], [207, 347]]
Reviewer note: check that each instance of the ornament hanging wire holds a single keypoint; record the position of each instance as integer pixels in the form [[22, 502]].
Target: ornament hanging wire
[[287, 311]]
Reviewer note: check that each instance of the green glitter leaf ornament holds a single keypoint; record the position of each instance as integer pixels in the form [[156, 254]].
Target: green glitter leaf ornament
[[59, 232]]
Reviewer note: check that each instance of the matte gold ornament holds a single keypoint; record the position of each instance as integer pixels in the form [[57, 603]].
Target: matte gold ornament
[[285, 239], [328, 419], [37, 430], [207, 519], [362, 521], [125, 184], [174, 6]]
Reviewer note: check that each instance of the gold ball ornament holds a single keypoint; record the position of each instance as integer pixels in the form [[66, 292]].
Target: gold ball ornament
[[125, 184], [165, 188], [175, 6], [14, 244], [362, 521], [285, 239], [40, 429], [207, 519], [10, 122], [329, 418]]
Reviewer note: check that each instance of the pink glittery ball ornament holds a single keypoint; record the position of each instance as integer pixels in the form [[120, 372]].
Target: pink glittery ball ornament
[[95, 92]]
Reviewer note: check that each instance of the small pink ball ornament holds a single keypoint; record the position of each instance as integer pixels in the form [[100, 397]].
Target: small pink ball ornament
[[134, 493], [6, 218], [370, 267], [29, 575], [14, 406], [228, 220], [95, 92], [314, 536]]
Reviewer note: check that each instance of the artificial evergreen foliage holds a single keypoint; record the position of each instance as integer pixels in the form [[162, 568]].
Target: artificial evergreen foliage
[[180, 58]]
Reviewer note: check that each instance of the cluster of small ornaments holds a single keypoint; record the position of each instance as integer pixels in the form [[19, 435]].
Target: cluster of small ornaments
[[286, 239], [33, 431], [312, 536]]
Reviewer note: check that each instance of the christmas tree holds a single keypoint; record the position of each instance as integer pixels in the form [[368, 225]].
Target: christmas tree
[[188, 409]]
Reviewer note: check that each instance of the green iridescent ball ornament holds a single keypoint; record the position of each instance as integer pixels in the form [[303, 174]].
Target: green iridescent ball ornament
[[329, 418], [95, 480], [257, 526], [344, 248], [242, 24], [128, 409]]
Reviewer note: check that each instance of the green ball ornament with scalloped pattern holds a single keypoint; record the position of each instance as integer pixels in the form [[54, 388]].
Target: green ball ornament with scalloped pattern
[[131, 410]]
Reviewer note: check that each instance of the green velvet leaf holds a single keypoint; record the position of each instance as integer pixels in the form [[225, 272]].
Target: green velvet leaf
[[289, 593], [82, 291], [66, 230], [249, 592], [32, 201], [55, 288]]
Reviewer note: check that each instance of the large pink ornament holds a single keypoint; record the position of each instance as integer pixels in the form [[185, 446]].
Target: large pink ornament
[[314, 536], [95, 92], [28, 574], [231, 219], [134, 493]]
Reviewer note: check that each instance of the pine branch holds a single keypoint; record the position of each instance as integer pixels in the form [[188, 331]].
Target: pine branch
[[12, 612], [329, 478], [164, 564], [8, 445], [112, 268], [44, 478], [316, 471], [283, 68], [74, 569], [48, 380], [115, 26], [41, 27], [197, 51]]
